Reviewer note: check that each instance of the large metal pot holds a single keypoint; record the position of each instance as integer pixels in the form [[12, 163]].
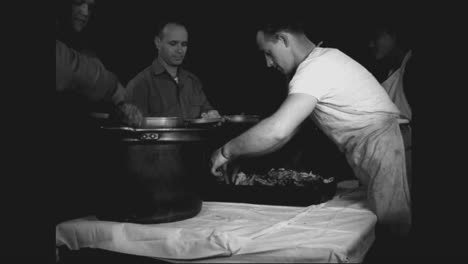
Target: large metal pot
[[158, 172]]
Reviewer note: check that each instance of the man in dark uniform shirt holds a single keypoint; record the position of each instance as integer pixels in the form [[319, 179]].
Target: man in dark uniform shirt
[[166, 89]]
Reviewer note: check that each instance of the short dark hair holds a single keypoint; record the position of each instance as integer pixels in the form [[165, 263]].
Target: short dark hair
[[272, 27], [295, 24], [397, 29], [160, 26]]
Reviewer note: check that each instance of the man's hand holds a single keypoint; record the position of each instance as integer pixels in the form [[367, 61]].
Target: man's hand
[[219, 165], [211, 114], [128, 115]]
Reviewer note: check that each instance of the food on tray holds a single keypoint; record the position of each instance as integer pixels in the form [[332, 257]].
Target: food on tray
[[281, 177]]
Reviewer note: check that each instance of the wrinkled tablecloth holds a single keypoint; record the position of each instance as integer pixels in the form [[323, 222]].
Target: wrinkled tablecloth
[[340, 230]]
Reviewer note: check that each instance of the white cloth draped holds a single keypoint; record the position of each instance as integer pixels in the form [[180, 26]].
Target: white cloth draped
[[340, 230]]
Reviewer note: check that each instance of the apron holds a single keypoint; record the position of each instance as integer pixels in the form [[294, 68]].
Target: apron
[[376, 155], [394, 87]]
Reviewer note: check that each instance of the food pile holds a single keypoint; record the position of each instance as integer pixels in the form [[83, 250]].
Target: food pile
[[281, 177]]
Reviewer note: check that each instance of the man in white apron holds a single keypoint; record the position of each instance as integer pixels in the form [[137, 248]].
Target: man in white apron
[[347, 103]]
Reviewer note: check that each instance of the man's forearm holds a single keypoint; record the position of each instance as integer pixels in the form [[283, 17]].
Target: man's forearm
[[273, 132], [119, 95], [261, 139]]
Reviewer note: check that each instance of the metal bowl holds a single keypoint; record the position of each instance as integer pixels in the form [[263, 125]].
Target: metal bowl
[[163, 122]]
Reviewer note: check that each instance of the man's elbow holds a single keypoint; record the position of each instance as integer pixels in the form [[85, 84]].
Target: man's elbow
[[279, 133]]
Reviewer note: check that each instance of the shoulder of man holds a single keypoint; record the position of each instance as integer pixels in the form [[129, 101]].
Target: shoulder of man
[[191, 75], [141, 76]]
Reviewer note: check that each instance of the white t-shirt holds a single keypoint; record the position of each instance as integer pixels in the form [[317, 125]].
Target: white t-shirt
[[349, 97]]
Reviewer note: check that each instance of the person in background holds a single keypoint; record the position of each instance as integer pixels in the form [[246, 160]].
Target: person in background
[[165, 88], [83, 86], [75, 28], [73, 24], [79, 74], [79, 160], [392, 52], [347, 103]]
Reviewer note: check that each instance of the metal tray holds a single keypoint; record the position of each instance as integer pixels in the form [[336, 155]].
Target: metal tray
[[271, 195]]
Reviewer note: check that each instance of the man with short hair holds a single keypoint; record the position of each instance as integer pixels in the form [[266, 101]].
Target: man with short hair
[[81, 12], [347, 103], [87, 77], [165, 88], [78, 162], [73, 25]]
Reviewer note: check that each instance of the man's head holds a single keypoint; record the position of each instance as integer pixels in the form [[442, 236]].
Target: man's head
[[278, 42], [382, 44], [171, 42], [81, 12], [386, 38]]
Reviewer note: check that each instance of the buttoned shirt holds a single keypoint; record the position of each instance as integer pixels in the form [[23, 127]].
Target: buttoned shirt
[[158, 94]]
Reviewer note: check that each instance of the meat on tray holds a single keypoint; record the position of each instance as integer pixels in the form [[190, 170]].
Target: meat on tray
[[281, 177]]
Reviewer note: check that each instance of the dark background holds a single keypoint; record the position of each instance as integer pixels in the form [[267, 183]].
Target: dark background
[[222, 47]]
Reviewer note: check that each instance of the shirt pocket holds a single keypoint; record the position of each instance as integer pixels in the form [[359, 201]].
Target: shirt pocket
[[195, 103]]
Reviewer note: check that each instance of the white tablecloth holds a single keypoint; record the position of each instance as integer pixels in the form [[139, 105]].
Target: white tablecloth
[[340, 230]]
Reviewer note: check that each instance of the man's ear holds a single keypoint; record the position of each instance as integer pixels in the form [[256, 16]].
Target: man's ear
[[283, 37], [157, 42]]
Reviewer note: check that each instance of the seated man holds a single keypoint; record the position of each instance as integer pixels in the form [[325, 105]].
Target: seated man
[[166, 89]]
